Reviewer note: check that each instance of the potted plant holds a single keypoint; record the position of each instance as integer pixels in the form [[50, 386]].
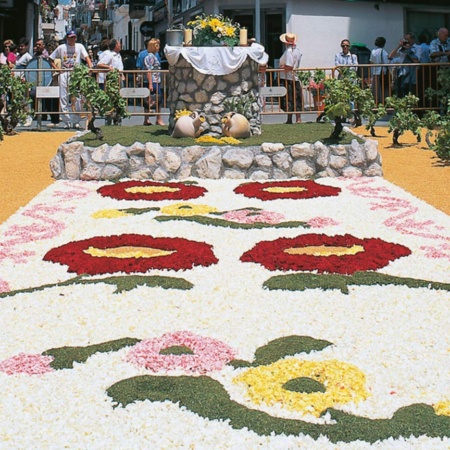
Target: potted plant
[[17, 107], [95, 100], [404, 118]]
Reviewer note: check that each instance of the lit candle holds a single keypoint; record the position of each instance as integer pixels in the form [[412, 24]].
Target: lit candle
[[187, 36], [243, 36]]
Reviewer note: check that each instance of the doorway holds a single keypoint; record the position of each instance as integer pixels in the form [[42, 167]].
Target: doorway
[[272, 26]]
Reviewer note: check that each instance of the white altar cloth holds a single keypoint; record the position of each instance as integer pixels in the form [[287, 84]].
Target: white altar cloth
[[217, 60]]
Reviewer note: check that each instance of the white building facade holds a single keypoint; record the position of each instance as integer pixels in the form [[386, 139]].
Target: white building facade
[[320, 25]]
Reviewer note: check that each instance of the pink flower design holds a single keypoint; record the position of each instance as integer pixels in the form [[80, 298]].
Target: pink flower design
[[29, 364], [208, 354], [250, 216], [322, 222], [4, 286], [402, 219]]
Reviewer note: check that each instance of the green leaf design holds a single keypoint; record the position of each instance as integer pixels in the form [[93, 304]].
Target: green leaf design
[[280, 348], [304, 385], [65, 357], [207, 398], [304, 281], [176, 350], [288, 346], [204, 220], [122, 283]]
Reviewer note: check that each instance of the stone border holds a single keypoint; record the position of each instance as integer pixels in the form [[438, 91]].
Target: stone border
[[74, 161]]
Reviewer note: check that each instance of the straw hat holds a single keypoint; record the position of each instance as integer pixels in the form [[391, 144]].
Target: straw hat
[[289, 38]]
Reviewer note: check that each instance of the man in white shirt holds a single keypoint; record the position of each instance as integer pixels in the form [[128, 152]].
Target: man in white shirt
[[23, 57], [289, 61], [70, 55], [109, 59]]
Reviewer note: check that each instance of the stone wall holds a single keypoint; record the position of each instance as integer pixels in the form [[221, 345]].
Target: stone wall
[[195, 91], [74, 161]]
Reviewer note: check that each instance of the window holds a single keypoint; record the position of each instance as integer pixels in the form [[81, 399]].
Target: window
[[428, 23]]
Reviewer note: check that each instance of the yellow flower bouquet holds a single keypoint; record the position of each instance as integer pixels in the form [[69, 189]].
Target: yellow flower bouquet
[[211, 30]]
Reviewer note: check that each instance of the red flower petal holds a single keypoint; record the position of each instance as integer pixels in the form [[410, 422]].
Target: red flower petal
[[375, 254], [186, 254], [307, 189], [175, 191]]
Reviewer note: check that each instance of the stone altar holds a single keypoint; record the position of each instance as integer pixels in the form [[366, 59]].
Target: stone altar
[[203, 78]]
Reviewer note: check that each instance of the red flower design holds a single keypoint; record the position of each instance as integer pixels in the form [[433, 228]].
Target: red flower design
[[151, 190], [325, 254], [169, 254], [292, 189]]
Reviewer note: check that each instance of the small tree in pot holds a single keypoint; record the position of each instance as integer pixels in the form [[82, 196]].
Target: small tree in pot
[[14, 100], [95, 100], [404, 118]]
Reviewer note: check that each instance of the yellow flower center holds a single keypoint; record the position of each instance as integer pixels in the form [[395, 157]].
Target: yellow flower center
[[187, 209], [283, 190], [128, 251], [150, 189], [324, 250]]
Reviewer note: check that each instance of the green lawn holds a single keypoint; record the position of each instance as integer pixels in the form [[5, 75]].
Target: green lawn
[[287, 134]]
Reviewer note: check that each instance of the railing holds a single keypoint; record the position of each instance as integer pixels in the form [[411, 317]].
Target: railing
[[423, 76]]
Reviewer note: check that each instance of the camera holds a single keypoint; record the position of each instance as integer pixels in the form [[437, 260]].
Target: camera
[[405, 42]]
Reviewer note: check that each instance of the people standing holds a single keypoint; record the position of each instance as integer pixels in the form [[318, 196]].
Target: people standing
[[22, 60], [380, 74], [345, 58], [8, 56], [289, 61], [152, 64], [24, 57], [110, 59], [440, 47], [439, 53], [406, 77], [40, 52], [52, 104], [71, 54], [140, 65], [425, 48]]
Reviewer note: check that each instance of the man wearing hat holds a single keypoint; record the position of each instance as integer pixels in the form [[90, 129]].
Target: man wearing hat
[[71, 53], [289, 61]]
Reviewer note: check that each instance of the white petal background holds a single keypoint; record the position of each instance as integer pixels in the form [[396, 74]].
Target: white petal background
[[399, 337]]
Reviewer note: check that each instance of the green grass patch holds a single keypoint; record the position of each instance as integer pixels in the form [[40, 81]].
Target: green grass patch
[[287, 134]]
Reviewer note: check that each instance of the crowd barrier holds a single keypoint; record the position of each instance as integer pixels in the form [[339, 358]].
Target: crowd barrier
[[273, 88]]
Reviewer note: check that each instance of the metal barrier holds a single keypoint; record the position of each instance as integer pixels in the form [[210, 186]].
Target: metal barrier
[[274, 88]]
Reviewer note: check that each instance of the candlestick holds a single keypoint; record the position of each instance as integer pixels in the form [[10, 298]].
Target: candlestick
[[243, 36], [187, 36]]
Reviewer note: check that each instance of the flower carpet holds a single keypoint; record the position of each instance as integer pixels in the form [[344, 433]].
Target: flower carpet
[[225, 314]]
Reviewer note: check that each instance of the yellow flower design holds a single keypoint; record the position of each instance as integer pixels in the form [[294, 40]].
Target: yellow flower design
[[182, 112], [215, 24], [213, 140], [187, 209], [442, 408], [109, 214], [343, 383], [229, 31]]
